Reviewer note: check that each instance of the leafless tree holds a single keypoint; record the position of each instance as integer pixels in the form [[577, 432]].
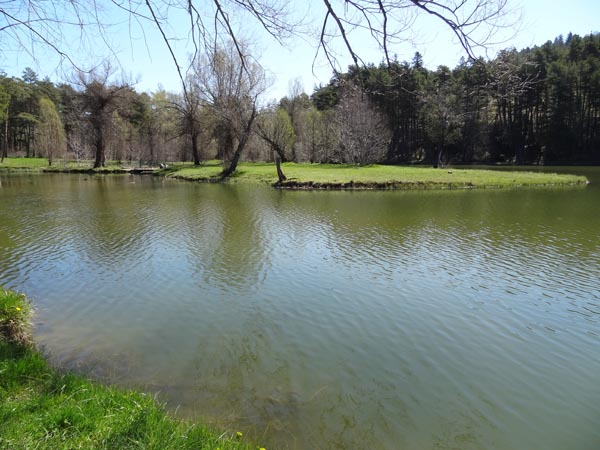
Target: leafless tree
[[100, 98], [230, 85], [363, 131], [193, 116], [385, 22]]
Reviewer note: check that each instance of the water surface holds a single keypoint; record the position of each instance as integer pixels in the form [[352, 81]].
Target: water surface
[[325, 320]]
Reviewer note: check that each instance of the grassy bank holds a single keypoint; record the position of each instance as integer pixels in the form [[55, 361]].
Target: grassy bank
[[344, 176], [328, 176], [36, 164], [43, 408], [41, 165]]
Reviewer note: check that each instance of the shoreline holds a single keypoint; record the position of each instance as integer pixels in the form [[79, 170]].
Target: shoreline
[[45, 407], [318, 177]]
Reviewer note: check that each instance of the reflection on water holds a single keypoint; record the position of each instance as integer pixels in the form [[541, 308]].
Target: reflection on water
[[393, 320]]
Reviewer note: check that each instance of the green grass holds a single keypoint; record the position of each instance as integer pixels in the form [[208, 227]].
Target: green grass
[[331, 176], [59, 165], [43, 408], [24, 163]]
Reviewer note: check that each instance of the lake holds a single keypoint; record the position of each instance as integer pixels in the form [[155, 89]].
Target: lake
[[463, 319]]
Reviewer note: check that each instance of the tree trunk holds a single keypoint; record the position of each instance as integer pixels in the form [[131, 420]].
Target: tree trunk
[[5, 142], [227, 172], [100, 161], [240, 147], [195, 152], [280, 176]]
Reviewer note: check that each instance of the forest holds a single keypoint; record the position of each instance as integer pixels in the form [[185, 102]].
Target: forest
[[538, 105]]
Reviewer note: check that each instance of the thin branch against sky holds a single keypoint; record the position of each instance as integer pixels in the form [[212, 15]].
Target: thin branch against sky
[[371, 36]]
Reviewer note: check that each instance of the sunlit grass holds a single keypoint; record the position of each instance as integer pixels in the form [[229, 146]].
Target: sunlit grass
[[43, 408], [329, 176], [24, 163], [377, 176], [58, 165]]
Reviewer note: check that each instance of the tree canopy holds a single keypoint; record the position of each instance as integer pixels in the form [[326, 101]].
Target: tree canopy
[[536, 105]]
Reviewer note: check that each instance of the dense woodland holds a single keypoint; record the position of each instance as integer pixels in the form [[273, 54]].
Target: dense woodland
[[540, 105]]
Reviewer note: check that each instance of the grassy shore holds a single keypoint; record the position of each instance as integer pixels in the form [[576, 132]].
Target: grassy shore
[[344, 176], [329, 176], [41, 165], [43, 408]]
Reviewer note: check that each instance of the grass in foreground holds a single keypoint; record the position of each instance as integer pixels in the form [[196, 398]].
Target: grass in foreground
[[44, 409], [335, 176]]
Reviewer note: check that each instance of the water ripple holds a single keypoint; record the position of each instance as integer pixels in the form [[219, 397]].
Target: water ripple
[[332, 319]]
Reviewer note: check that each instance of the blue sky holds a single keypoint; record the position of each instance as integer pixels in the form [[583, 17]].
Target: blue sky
[[144, 57]]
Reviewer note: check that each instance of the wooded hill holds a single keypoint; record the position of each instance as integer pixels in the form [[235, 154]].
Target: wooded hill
[[539, 105]]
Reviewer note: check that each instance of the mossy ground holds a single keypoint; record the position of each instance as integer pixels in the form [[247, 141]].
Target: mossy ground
[[43, 408]]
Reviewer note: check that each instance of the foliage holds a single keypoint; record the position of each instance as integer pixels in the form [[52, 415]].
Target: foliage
[[275, 127], [539, 105], [50, 133]]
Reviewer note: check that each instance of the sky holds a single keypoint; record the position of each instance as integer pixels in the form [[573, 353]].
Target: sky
[[144, 58]]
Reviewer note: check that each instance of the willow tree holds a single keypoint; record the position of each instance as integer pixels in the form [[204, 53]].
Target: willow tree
[[50, 136], [100, 98], [230, 84], [276, 129]]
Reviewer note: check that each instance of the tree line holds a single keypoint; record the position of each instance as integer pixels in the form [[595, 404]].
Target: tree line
[[538, 105]]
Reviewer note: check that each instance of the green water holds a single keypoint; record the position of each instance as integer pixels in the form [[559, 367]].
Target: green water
[[323, 320]]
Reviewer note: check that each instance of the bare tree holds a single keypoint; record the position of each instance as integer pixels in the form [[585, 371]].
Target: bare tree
[[230, 85], [192, 114], [387, 23], [209, 23], [364, 134], [101, 97]]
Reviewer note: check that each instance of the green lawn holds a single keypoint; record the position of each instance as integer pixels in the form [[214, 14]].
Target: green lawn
[[44, 408], [24, 163], [375, 176], [58, 165], [330, 176]]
